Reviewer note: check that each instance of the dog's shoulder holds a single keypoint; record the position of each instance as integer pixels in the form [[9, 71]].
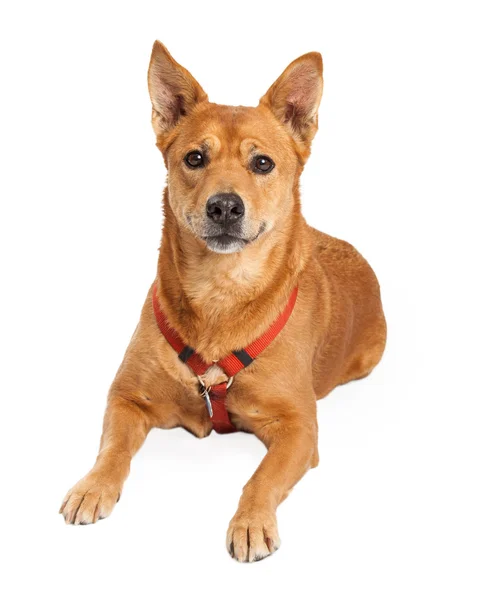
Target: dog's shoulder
[[339, 259], [328, 248]]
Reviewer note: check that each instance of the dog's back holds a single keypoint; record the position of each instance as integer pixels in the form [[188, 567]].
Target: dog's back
[[348, 311]]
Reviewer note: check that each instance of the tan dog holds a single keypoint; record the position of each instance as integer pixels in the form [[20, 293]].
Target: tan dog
[[234, 248]]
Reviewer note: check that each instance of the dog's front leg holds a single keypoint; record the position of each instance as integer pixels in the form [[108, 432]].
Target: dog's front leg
[[125, 428], [292, 450]]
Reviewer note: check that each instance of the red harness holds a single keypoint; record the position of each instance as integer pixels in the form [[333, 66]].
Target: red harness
[[215, 396]]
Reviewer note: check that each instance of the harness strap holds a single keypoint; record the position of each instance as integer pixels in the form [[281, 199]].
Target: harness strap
[[220, 418], [231, 364]]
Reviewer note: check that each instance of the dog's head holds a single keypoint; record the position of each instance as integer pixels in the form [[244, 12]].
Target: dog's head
[[232, 170]]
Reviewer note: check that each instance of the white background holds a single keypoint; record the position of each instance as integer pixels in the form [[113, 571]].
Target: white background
[[391, 512]]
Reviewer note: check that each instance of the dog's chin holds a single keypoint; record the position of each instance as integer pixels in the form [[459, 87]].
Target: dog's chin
[[225, 244]]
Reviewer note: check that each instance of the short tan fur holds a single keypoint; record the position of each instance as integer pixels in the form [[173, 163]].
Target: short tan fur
[[221, 292]]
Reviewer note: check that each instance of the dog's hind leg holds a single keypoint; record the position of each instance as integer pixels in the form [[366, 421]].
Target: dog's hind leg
[[125, 428]]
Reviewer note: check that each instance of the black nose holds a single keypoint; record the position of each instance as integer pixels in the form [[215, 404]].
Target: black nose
[[225, 208]]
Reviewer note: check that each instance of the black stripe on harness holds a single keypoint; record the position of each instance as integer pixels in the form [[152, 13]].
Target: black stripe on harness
[[186, 353], [244, 357]]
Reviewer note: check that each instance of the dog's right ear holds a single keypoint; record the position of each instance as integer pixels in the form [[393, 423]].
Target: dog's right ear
[[173, 90]]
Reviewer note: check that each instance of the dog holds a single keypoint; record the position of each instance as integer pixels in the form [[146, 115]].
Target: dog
[[253, 315]]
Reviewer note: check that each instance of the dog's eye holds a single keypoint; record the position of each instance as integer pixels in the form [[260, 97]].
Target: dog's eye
[[194, 159], [262, 164]]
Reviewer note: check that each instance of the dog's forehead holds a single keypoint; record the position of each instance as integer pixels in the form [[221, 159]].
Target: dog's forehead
[[231, 125]]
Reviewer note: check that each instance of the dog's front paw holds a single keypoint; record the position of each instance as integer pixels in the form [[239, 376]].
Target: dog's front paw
[[252, 535], [89, 500]]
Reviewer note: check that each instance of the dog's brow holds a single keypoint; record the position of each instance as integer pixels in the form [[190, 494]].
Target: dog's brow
[[211, 142], [249, 145]]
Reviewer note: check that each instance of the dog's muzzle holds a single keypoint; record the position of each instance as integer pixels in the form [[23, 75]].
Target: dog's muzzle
[[224, 223]]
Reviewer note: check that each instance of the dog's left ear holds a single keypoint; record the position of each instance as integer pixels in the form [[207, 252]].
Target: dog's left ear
[[173, 90], [295, 96]]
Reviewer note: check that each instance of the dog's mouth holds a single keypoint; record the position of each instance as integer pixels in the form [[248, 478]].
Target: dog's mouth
[[226, 243]]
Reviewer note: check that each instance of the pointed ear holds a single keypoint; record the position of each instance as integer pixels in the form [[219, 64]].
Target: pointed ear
[[173, 90], [295, 96]]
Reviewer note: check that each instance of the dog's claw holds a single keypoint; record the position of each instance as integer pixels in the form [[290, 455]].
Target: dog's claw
[[251, 539], [89, 501]]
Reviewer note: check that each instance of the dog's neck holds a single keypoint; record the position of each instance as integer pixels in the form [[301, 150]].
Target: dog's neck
[[222, 302]]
